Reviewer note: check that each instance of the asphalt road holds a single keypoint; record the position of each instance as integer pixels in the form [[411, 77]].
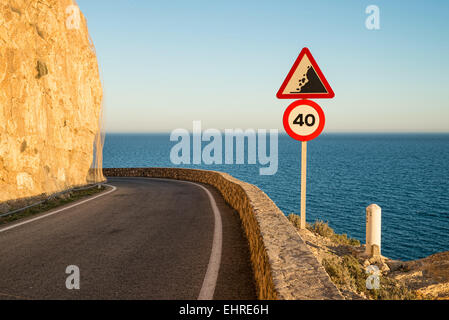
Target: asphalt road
[[149, 239]]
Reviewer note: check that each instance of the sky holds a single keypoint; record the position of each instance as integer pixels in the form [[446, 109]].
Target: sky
[[165, 64]]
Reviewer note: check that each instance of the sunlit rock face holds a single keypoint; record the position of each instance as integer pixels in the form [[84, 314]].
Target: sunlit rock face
[[50, 97]]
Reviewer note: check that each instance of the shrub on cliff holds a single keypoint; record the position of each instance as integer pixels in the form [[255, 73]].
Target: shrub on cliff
[[322, 228], [348, 273]]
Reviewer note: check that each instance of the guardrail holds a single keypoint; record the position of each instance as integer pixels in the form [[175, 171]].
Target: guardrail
[[10, 213]]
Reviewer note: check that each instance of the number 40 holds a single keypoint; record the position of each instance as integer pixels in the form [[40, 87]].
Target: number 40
[[309, 120]]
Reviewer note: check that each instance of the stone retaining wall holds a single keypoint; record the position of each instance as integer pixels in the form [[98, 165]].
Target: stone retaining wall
[[283, 266]]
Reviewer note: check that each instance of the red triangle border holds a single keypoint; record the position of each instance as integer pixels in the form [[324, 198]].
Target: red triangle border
[[330, 93]]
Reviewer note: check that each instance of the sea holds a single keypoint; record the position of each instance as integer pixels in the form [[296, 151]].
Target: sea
[[407, 175]]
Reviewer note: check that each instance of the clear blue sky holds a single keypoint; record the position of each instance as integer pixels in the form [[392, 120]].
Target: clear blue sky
[[167, 63]]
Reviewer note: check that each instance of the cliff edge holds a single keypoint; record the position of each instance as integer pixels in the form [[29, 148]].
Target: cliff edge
[[344, 260], [50, 98]]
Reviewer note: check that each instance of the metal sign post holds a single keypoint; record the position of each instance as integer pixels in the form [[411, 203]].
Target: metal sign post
[[304, 119], [303, 183]]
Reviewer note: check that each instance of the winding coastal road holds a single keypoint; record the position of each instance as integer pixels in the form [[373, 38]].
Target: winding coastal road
[[145, 239]]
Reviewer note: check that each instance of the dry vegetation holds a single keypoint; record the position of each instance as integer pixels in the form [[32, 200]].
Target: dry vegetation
[[342, 258]]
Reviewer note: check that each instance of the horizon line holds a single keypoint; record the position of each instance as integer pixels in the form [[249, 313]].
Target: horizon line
[[284, 133]]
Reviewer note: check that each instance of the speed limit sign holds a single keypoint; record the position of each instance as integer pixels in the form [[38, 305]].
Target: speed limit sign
[[304, 120]]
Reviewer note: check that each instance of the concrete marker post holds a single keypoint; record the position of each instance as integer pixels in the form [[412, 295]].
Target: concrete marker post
[[373, 230]]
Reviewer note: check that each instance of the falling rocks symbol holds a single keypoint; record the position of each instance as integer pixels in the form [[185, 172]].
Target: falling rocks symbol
[[313, 84]]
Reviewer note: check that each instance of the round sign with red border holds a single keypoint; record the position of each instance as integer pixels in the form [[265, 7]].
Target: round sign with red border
[[304, 120]]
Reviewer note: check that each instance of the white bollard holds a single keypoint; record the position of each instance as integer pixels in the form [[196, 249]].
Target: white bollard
[[373, 230]]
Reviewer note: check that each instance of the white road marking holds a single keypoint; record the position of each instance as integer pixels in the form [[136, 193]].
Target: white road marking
[[211, 277], [59, 210], [210, 280]]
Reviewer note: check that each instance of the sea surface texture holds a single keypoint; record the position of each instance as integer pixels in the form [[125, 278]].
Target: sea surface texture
[[406, 174]]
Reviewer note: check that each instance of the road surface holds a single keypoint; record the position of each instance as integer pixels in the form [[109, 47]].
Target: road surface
[[148, 239]]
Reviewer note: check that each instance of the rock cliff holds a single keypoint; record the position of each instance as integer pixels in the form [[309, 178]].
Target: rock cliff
[[50, 97], [348, 267], [428, 276]]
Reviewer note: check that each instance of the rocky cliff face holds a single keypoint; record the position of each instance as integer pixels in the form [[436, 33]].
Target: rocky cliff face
[[428, 276], [50, 97]]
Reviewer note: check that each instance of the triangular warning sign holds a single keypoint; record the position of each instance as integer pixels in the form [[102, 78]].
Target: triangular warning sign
[[305, 80]]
